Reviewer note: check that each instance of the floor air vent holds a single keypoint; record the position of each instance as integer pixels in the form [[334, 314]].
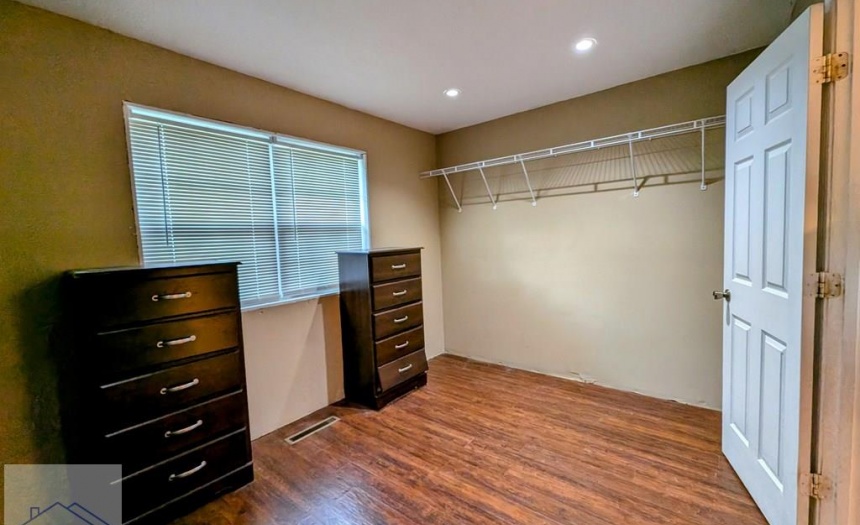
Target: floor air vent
[[313, 429]]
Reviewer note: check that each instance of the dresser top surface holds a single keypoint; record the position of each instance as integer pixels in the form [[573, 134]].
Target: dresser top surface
[[155, 269], [382, 251]]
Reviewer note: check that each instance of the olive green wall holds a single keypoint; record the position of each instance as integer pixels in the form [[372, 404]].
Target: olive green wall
[[802, 5], [65, 202]]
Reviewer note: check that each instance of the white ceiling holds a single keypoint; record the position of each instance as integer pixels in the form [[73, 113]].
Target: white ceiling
[[393, 58]]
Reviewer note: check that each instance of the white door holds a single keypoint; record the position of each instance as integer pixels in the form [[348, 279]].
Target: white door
[[773, 118]]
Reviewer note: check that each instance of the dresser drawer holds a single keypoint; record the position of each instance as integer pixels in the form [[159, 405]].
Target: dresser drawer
[[116, 301], [396, 293], [402, 369], [395, 321], [390, 267], [158, 440], [168, 390], [150, 488], [134, 348], [399, 345]]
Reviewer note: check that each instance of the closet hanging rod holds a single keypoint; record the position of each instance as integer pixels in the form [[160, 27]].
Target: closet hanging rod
[[615, 140]]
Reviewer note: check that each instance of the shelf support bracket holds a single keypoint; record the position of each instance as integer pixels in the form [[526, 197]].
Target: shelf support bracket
[[633, 167], [453, 195], [704, 185], [493, 200], [528, 182]]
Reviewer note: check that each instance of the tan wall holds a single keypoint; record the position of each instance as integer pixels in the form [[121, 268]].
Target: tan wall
[[599, 286], [65, 202]]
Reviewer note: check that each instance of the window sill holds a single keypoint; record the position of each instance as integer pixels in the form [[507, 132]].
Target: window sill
[[292, 300]]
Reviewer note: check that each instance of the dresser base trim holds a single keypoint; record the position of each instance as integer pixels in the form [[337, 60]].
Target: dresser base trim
[[400, 390]]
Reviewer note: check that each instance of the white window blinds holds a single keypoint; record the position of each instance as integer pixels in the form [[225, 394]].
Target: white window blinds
[[206, 191]]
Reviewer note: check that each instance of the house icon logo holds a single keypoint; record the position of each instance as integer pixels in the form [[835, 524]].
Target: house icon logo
[[61, 494], [59, 514]]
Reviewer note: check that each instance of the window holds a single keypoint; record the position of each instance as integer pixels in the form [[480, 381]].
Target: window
[[208, 191]]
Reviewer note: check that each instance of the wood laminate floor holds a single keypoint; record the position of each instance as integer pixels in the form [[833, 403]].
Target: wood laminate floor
[[488, 444]]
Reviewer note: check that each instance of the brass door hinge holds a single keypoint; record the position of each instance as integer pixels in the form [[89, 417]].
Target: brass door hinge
[[815, 486], [824, 285], [830, 67]]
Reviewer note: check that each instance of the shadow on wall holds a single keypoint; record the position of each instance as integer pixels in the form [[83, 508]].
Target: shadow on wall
[[333, 352], [658, 162], [38, 334]]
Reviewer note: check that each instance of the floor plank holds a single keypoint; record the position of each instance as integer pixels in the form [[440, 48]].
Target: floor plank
[[488, 444]]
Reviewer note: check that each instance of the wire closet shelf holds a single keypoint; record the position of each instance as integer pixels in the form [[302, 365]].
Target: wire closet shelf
[[630, 138]]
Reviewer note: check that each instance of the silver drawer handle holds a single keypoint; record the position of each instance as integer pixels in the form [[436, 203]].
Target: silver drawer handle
[[400, 293], [170, 296], [404, 369], [180, 388], [398, 266], [185, 430], [175, 342], [402, 319], [401, 345], [187, 473]]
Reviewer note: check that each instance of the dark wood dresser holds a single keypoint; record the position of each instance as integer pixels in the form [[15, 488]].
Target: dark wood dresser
[[155, 381], [382, 322]]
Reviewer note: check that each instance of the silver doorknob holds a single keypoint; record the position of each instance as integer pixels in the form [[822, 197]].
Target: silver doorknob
[[725, 294]]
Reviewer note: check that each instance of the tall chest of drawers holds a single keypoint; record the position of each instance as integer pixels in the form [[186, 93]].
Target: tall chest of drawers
[[382, 324], [154, 380]]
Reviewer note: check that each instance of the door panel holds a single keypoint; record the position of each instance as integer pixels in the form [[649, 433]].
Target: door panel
[[776, 181], [740, 356], [772, 387], [774, 117], [741, 238]]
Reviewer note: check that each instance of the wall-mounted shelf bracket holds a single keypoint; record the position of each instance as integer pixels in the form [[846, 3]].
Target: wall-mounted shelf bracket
[[487, 185], [453, 194], [704, 185], [528, 182], [633, 167]]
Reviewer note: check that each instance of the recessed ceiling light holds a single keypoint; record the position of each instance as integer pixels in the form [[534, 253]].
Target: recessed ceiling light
[[585, 45], [452, 92]]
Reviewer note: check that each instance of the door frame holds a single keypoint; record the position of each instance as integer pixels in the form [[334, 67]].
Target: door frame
[[836, 445]]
